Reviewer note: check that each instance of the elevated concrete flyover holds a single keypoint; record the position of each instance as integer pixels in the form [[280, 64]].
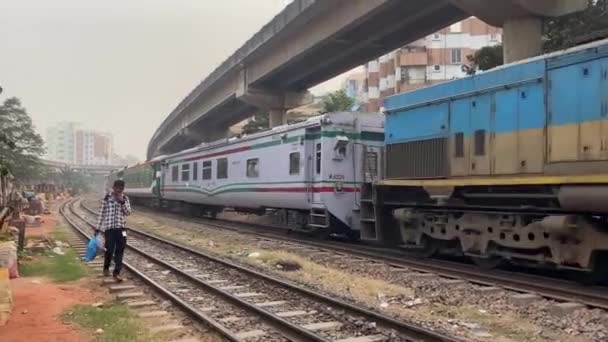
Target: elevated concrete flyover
[[311, 41]]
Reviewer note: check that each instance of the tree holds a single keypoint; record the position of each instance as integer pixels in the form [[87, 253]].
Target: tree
[[259, 122], [338, 101], [486, 58], [20, 145], [570, 30], [559, 33]]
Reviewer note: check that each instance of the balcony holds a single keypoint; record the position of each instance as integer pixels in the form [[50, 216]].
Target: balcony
[[413, 58]]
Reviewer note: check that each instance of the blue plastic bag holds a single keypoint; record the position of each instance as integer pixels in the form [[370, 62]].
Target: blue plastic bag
[[91, 249]]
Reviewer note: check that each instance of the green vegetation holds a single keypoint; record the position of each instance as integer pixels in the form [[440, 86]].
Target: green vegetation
[[558, 33], [338, 101], [576, 28], [20, 145], [79, 181], [258, 123], [60, 233], [487, 57], [117, 322], [59, 268]]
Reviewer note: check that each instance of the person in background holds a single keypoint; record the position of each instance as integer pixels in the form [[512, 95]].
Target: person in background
[[115, 207]]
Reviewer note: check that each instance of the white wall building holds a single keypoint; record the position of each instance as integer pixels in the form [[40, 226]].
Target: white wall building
[[68, 143]]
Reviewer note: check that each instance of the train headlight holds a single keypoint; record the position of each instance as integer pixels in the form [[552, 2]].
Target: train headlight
[[338, 187]]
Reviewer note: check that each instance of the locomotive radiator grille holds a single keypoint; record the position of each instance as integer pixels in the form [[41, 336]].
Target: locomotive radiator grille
[[417, 159]]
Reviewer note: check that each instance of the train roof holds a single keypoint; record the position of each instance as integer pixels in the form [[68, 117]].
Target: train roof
[[310, 122], [530, 67]]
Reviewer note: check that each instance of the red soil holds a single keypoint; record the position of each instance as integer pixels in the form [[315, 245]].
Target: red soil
[[37, 309]]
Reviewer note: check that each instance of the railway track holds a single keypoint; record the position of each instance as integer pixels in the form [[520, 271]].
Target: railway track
[[244, 304], [546, 287]]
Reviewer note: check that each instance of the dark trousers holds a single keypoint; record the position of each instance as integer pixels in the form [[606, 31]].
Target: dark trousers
[[115, 246]]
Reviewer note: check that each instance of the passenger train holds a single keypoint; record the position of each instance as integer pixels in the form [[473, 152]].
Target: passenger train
[[311, 172], [507, 165]]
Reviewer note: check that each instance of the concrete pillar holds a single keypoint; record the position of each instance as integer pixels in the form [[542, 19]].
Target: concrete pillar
[[522, 38], [277, 117]]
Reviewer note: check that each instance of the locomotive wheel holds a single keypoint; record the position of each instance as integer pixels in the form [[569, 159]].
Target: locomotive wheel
[[430, 247], [488, 263], [599, 274]]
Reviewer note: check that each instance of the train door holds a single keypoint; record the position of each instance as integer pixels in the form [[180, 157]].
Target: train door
[[604, 108], [314, 161], [164, 168], [505, 154], [460, 111], [481, 135], [574, 131]]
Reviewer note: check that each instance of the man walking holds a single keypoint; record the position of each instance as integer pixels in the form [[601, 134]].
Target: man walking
[[114, 209]]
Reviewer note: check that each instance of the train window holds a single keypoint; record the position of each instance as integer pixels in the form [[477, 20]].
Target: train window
[[294, 163], [222, 168], [194, 171], [318, 159], [207, 169], [459, 145], [371, 164], [253, 167], [480, 142], [185, 172], [174, 174]]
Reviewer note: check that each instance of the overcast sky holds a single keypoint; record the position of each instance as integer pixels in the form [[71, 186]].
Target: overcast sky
[[118, 65]]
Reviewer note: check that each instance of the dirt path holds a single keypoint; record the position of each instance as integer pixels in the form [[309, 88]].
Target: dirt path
[[38, 305]]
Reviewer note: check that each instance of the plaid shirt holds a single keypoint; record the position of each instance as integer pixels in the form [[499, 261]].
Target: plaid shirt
[[112, 213]]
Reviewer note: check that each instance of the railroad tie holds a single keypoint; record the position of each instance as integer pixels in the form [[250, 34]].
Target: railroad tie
[[369, 338], [112, 281], [140, 304], [129, 295], [233, 287], [230, 319], [487, 290], [524, 299], [273, 303], [121, 288], [563, 309], [322, 326], [250, 334], [187, 339], [166, 328], [153, 314], [287, 314], [248, 294]]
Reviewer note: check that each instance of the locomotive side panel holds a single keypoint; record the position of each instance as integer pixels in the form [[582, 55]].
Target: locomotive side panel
[[527, 172]]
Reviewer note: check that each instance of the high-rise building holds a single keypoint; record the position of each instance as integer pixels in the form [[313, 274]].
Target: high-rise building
[[435, 58], [354, 84], [68, 143], [93, 148], [60, 142]]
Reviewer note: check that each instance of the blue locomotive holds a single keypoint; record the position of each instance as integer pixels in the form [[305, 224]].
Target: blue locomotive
[[510, 164]]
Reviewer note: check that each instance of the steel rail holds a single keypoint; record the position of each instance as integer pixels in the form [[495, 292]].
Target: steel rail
[[187, 308], [406, 329], [546, 287], [285, 327]]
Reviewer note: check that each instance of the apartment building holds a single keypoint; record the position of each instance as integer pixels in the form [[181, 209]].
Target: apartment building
[[60, 142], [435, 58], [67, 142], [93, 148]]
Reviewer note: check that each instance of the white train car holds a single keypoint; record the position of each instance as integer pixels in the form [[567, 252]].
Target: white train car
[[311, 170]]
